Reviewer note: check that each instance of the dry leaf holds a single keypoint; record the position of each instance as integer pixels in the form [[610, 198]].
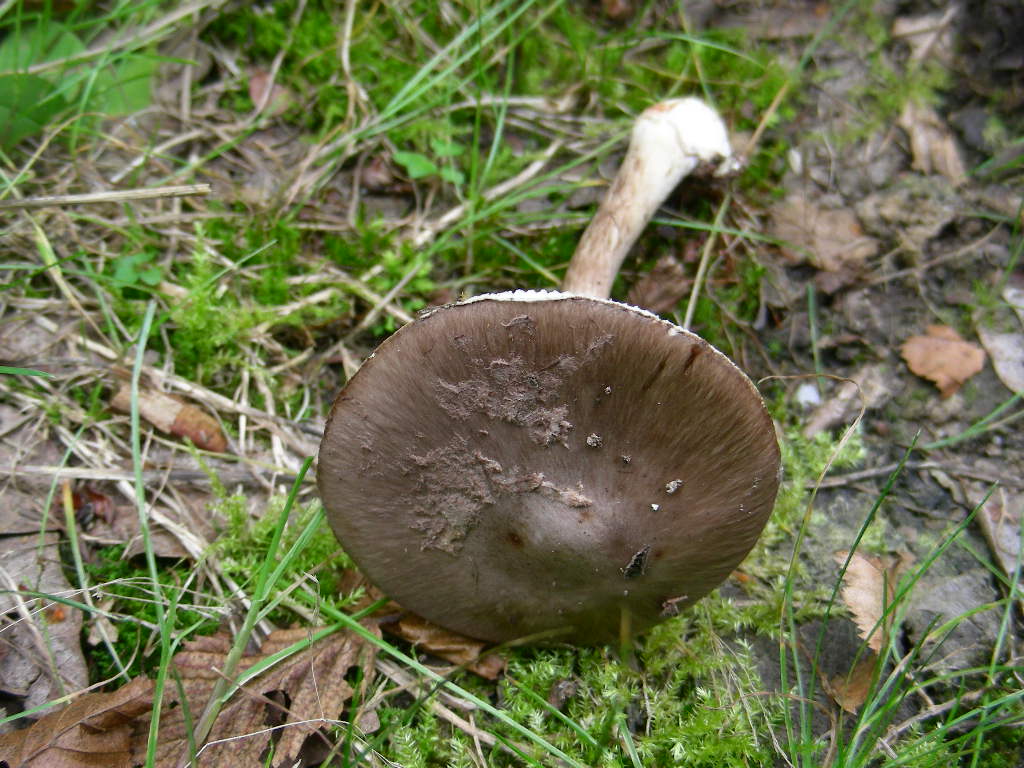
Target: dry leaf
[[661, 289], [297, 694], [453, 647], [830, 239], [932, 145], [929, 35], [1014, 296], [1007, 353], [943, 357], [618, 10], [870, 386], [851, 691], [869, 586], [93, 731], [44, 655], [172, 415], [999, 520], [273, 103]]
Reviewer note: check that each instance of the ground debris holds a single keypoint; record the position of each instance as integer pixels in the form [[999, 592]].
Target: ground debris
[[869, 586], [661, 289], [93, 731], [1000, 521], [968, 640], [850, 691], [174, 415], [831, 239], [932, 145], [942, 356], [911, 211], [451, 646], [43, 638], [287, 703], [870, 386], [1007, 353]]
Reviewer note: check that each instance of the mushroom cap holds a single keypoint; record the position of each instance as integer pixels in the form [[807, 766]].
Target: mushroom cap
[[532, 462]]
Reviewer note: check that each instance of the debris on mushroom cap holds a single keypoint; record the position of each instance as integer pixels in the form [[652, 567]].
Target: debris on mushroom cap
[[458, 467]]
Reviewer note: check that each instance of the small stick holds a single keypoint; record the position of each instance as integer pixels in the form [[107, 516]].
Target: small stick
[[113, 196]]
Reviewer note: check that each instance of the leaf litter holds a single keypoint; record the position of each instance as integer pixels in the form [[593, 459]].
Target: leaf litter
[[942, 356], [922, 217], [287, 703], [93, 731], [44, 659], [869, 587]]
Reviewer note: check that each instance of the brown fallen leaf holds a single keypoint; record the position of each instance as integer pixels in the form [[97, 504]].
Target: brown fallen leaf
[[93, 731], [661, 289], [172, 415], [932, 145], [930, 35], [618, 10], [851, 691], [300, 695], [869, 586], [451, 646], [272, 99], [999, 520], [44, 654], [943, 357], [830, 239]]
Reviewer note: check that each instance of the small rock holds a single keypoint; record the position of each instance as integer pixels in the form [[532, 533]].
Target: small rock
[[939, 600]]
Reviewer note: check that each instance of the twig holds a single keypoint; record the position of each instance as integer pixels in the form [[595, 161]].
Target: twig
[[229, 477], [886, 469], [113, 196]]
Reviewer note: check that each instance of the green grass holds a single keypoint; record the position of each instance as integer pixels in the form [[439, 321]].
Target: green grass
[[442, 100]]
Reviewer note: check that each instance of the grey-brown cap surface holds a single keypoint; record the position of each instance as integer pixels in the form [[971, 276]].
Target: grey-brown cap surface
[[538, 462]]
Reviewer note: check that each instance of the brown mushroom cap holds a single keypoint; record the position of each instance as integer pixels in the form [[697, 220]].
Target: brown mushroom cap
[[527, 462]]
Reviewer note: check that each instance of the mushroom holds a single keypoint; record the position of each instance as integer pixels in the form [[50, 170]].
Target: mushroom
[[556, 463]]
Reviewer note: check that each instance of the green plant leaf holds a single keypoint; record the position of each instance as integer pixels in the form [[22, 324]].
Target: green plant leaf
[[453, 176], [151, 276], [44, 41], [415, 164], [125, 87], [124, 269], [27, 104], [442, 148], [24, 372]]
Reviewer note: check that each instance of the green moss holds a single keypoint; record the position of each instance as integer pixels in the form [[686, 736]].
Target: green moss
[[124, 590], [242, 547]]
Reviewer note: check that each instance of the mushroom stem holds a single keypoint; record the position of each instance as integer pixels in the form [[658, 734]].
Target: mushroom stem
[[668, 141]]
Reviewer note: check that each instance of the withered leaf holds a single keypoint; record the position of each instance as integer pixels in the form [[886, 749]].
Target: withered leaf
[[830, 239], [661, 289], [932, 145], [869, 586], [93, 731], [291, 699], [1007, 353], [943, 357], [43, 662], [451, 646], [272, 99], [169, 414], [851, 691], [999, 520]]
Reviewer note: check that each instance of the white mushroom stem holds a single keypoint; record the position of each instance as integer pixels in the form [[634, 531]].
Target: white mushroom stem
[[669, 140]]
